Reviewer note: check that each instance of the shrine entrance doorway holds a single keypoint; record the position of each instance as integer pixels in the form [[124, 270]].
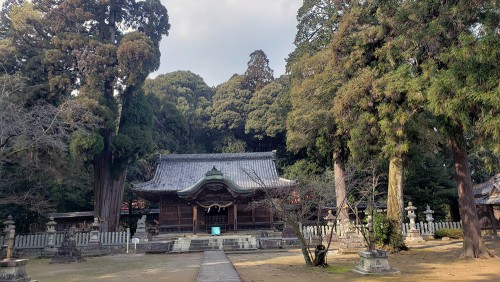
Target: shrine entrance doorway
[[216, 216]]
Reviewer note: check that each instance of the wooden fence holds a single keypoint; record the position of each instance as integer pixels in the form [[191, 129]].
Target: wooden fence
[[39, 241]]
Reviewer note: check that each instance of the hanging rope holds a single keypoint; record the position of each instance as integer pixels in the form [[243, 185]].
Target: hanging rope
[[220, 205]]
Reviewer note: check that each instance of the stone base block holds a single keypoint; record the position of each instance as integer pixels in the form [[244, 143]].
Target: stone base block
[[373, 262], [48, 252], [159, 247], [94, 250], [270, 243], [143, 236], [351, 245], [14, 270], [414, 238], [428, 237]]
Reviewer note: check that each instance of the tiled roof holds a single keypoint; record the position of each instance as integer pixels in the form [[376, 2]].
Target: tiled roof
[[488, 193], [248, 170]]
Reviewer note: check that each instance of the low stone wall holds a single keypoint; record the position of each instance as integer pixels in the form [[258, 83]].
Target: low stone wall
[[277, 243], [109, 249]]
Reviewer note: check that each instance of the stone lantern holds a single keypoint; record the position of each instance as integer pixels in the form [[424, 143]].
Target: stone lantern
[[12, 269], [94, 233], [329, 218], [94, 247], [430, 220], [51, 231], [50, 248], [411, 215], [371, 234], [9, 224], [413, 235]]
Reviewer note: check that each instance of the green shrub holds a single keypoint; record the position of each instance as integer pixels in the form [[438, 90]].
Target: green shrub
[[387, 235], [453, 233]]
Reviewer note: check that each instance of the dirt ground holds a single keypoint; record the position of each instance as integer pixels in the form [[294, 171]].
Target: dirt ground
[[437, 261]]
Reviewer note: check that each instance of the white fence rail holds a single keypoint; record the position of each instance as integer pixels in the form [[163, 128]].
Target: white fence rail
[[314, 231], [36, 241], [426, 229]]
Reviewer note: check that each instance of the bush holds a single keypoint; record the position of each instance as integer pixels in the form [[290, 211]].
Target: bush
[[387, 236], [453, 233]]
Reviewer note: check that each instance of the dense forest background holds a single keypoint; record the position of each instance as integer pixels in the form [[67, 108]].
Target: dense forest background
[[402, 89]]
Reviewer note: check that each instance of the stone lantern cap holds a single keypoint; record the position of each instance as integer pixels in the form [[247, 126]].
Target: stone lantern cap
[[9, 224], [329, 217], [51, 221], [428, 210], [410, 207], [96, 224]]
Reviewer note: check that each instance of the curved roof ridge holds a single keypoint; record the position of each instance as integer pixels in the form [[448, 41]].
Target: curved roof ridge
[[218, 156]]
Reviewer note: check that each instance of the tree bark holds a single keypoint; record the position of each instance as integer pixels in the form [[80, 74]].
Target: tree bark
[[108, 190], [395, 204], [473, 246], [340, 188]]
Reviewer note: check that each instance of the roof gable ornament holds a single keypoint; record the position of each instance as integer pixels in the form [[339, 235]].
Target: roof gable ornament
[[213, 171]]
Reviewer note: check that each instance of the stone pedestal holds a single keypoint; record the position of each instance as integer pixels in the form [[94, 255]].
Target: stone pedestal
[[94, 247], [141, 232], [68, 253], [14, 270], [50, 249], [351, 243], [373, 262], [413, 237]]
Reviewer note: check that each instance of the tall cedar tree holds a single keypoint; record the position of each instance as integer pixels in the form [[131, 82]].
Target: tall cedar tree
[[380, 94], [79, 45], [310, 123], [258, 72], [457, 45]]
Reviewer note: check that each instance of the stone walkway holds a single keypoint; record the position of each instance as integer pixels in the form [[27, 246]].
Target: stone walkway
[[215, 266]]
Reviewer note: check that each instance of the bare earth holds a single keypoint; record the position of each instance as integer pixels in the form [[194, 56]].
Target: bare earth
[[437, 261]]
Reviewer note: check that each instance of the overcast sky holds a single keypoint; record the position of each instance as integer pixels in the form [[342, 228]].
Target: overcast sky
[[214, 38]]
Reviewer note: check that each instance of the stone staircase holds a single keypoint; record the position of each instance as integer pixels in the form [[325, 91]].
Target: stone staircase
[[208, 243]]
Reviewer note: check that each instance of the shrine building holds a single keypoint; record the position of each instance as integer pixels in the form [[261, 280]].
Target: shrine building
[[200, 191]]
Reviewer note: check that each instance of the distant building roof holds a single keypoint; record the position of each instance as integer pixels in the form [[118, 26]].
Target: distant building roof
[[177, 172], [488, 193], [58, 215]]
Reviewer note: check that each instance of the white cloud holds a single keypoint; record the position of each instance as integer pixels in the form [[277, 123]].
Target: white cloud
[[214, 38]]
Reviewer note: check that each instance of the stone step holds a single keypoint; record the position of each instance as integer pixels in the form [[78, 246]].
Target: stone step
[[215, 243]]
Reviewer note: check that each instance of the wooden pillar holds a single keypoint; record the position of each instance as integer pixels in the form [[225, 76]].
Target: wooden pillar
[[235, 217], [195, 214], [178, 217], [492, 219], [253, 217], [271, 217]]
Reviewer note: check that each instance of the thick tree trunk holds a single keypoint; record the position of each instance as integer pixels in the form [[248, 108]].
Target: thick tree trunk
[[395, 204], [340, 188], [473, 246], [108, 190]]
